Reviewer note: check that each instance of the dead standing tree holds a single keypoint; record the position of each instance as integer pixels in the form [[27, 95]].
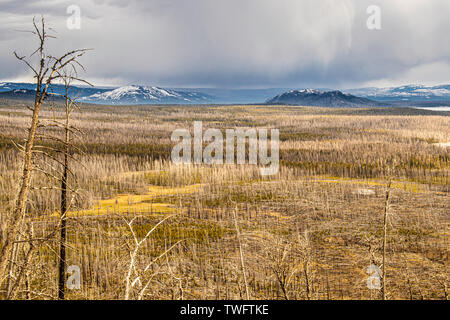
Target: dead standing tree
[[385, 222], [46, 72], [70, 105]]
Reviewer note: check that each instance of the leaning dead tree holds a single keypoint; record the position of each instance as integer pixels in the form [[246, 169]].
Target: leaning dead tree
[[46, 71], [138, 283]]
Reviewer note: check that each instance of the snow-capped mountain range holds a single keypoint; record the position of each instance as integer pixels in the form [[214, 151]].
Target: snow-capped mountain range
[[137, 94], [145, 95], [404, 93]]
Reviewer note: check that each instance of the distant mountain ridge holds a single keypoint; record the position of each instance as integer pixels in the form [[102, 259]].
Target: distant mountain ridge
[[136, 94], [18, 94], [404, 93], [317, 98], [26, 94], [74, 91]]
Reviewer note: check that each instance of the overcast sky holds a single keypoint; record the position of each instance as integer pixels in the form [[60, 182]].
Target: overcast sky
[[240, 43]]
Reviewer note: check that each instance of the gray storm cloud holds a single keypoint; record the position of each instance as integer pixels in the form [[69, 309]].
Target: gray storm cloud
[[241, 43]]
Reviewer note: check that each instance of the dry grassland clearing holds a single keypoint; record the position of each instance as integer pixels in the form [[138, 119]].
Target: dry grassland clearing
[[308, 232]]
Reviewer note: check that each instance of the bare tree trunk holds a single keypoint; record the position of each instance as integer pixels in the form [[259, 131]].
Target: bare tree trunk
[[386, 210], [46, 72], [62, 245], [22, 273], [307, 280], [241, 254], [19, 210], [62, 248]]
